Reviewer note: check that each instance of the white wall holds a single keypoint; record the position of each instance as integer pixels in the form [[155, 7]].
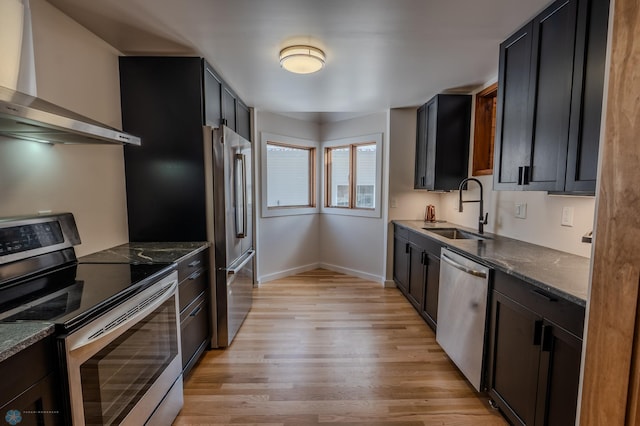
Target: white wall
[[542, 225], [405, 203], [544, 213], [78, 71], [357, 245], [285, 244]]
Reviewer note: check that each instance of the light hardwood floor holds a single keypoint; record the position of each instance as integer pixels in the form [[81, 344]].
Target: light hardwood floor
[[323, 347]]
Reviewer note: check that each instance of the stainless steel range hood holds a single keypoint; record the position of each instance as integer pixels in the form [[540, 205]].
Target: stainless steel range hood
[[22, 114], [26, 117]]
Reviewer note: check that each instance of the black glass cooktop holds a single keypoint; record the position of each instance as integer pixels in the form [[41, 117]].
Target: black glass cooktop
[[76, 294]]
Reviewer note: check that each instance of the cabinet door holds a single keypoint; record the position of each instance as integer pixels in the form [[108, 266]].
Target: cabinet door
[[432, 289], [421, 149], [228, 108], [550, 92], [431, 131], [212, 97], [559, 376], [39, 405], [401, 263], [513, 135], [243, 120], [588, 85], [514, 358], [416, 275]]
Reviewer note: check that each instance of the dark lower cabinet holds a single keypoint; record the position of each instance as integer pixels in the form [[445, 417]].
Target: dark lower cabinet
[[193, 299], [516, 357], [430, 310], [416, 271], [559, 377], [534, 354], [401, 258], [30, 385]]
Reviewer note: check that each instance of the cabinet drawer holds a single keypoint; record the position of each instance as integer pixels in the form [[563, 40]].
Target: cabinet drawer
[[426, 243], [194, 328], [190, 288], [191, 264], [400, 231], [562, 312]]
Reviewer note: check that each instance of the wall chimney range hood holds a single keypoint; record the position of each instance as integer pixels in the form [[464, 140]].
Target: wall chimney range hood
[[27, 117], [22, 114]]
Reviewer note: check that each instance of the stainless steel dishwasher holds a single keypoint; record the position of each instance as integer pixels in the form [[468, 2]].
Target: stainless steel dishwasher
[[462, 313]]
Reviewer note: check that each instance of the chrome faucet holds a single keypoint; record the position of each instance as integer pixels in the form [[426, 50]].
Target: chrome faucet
[[483, 217]]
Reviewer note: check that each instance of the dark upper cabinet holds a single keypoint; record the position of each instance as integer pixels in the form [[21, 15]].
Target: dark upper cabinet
[[543, 100], [243, 120], [584, 136], [168, 100], [228, 108], [534, 351], [442, 142], [162, 97], [212, 96]]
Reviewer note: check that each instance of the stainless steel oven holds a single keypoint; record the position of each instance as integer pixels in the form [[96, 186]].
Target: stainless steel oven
[[123, 364], [117, 325]]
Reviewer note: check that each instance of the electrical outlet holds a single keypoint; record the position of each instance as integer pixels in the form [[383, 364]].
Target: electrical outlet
[[521, 210], [567, 216]]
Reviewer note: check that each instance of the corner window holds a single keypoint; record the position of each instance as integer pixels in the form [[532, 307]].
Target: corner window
[[288, 176], [352, 176], [290, 171]]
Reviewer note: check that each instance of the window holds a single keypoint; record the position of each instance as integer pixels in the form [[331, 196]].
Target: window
[[351, 176], [288, 176], [485, 131]]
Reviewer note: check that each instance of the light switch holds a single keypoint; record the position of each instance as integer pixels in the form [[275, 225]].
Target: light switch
[[521, 210], [394, 202], [567, 216]]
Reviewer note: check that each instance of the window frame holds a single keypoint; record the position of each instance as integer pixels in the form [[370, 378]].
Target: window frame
[[353, 143], [297, 143]]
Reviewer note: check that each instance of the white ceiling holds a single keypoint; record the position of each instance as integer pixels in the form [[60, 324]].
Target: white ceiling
[[380, 53]]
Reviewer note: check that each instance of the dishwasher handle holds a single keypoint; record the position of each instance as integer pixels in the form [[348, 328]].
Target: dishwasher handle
[[463, 268]]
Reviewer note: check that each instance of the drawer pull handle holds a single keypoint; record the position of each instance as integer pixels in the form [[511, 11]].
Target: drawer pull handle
[[195, 276], [196, 311], [544, 296], [194, 263]]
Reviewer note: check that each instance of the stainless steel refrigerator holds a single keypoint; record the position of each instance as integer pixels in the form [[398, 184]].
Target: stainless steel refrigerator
[[229, 189]]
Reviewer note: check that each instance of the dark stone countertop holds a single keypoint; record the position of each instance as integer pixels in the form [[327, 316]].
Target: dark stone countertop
[[137, 253], [17, 336], [562, 274]]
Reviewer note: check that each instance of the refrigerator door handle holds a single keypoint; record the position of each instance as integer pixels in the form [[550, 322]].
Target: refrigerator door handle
[[241, 193], [233, 271]]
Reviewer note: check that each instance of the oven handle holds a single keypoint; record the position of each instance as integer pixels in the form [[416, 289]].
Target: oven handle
[[95, 332]]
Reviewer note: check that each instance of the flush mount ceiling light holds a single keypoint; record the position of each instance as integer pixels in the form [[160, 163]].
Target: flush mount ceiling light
[[302, 59]]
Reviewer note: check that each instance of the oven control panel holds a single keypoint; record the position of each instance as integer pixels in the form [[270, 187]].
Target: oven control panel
[[24, 237], [28, 237]]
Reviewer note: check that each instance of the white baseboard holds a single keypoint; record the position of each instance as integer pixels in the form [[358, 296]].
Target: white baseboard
[[353, 272], [390, 284], [288, 272]]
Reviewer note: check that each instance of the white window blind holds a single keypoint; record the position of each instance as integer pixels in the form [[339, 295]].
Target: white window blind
[[289, 176]]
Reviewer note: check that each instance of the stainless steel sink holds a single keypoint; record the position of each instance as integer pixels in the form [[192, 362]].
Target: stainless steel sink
[[456, 234]]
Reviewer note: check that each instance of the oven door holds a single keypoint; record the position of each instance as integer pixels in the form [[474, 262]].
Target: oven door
[[121, 366]]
